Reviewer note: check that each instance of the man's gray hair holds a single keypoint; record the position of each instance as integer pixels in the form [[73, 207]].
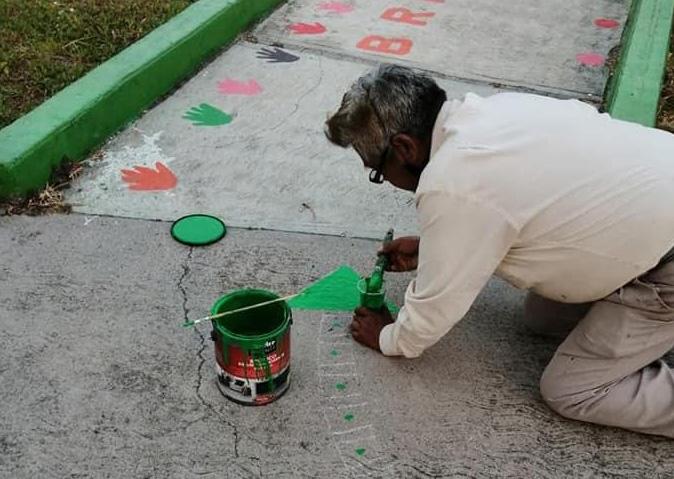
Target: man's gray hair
[[386, 101]]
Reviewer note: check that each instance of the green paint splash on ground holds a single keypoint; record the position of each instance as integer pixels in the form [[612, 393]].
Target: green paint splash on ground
[[334, 352], [337, 291], [349, 417], [360, 451], [340, 386]]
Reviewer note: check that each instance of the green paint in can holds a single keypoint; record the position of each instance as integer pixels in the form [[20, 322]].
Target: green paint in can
[[252, 347]]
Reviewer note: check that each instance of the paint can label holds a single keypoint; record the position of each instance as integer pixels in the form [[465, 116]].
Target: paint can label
[[240, 363]]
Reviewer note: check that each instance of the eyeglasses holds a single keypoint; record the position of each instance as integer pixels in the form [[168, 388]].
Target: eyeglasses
[[376, 175]]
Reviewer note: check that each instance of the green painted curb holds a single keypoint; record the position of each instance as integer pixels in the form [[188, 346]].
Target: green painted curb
[[633, 92], [86, 113]]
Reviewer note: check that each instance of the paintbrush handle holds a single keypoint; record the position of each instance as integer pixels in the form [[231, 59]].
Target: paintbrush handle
[[234, 311]]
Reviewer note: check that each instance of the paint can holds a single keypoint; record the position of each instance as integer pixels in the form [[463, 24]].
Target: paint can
[[252, 348], [374, 301]]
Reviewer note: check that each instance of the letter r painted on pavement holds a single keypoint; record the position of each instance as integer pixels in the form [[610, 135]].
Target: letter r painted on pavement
[[405, 15]]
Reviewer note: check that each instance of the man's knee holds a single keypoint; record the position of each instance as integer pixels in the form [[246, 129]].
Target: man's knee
[[554, 392], [561, 394]]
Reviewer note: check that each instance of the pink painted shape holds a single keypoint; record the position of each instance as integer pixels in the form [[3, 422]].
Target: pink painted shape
[[307, 28], [606, 23], [142, 178], [590, 59], [336, 7], [235, 87]]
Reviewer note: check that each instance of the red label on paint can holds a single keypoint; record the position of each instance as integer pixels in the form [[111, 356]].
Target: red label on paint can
[[241, 364]]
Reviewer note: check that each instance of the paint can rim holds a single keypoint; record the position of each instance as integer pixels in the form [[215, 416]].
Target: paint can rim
[[247, 340]]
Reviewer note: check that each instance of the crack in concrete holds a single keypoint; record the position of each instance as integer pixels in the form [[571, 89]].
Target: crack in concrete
[[181, 287], [296, 107], [200, 354], [200, 380]]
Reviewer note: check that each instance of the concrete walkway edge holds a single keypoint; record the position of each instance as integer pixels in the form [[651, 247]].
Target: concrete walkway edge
[[86, 113], [633, 93]]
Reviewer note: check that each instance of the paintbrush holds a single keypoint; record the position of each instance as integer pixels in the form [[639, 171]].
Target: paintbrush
[[193, 322]]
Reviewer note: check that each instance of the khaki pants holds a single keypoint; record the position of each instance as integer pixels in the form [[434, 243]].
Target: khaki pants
[[609, 370]]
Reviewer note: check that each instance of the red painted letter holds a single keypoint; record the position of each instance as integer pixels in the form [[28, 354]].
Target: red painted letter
[[405, 15], [394, 46]]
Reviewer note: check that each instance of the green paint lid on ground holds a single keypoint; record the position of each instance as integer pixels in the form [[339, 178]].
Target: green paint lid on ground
[[198, 230]]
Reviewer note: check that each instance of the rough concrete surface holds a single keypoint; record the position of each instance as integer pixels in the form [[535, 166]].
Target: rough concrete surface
[[100, 381]]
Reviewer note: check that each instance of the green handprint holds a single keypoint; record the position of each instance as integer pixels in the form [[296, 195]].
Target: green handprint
[[207, 115]]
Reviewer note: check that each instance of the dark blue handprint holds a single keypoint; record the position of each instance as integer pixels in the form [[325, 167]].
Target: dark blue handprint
[[276, 55]]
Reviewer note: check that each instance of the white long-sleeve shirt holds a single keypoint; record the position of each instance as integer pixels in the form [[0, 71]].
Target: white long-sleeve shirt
[[548, 194]]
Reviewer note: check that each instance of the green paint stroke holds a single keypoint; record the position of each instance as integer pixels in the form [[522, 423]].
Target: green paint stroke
[[338, 291], [360, 451], [340, 386], [349, 417], [207, 115]]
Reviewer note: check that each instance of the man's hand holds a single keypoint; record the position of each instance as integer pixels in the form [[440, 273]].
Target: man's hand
[[367, 324], [403, 254]]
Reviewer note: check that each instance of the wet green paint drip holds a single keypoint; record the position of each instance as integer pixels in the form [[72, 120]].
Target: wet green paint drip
[[349, 417], [340, 386], [338, 291], [360, 451]]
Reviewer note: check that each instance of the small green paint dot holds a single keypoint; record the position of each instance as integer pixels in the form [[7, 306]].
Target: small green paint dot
[[360, 451], [334, 352], [349, 417], [340, 386]]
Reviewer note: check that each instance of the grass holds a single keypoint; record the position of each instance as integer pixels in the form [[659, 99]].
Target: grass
[[48, 44]]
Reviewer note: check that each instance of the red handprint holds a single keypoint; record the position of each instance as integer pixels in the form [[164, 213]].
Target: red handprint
[[142, 178], [307, 28], [336, 7], [235, 87]]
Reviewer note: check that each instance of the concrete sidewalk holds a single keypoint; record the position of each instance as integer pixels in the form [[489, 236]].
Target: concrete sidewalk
[[98, 378], [100, 381]]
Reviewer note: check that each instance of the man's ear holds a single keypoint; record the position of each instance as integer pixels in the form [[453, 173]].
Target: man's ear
[[408, 150]]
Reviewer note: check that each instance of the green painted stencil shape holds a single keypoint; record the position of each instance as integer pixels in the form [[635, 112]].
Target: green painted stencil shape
[[198, 230], [337, 291]]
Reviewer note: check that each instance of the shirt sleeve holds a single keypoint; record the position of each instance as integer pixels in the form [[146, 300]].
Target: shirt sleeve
[[462, 243]]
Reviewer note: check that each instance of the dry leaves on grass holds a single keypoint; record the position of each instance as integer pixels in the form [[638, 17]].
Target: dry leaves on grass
[[50, 199]]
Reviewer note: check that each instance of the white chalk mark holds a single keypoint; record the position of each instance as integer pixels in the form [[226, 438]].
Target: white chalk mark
[[350, 406], [358, 440], [350, 363], [345, 396], [355, 429], [88, 220]]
